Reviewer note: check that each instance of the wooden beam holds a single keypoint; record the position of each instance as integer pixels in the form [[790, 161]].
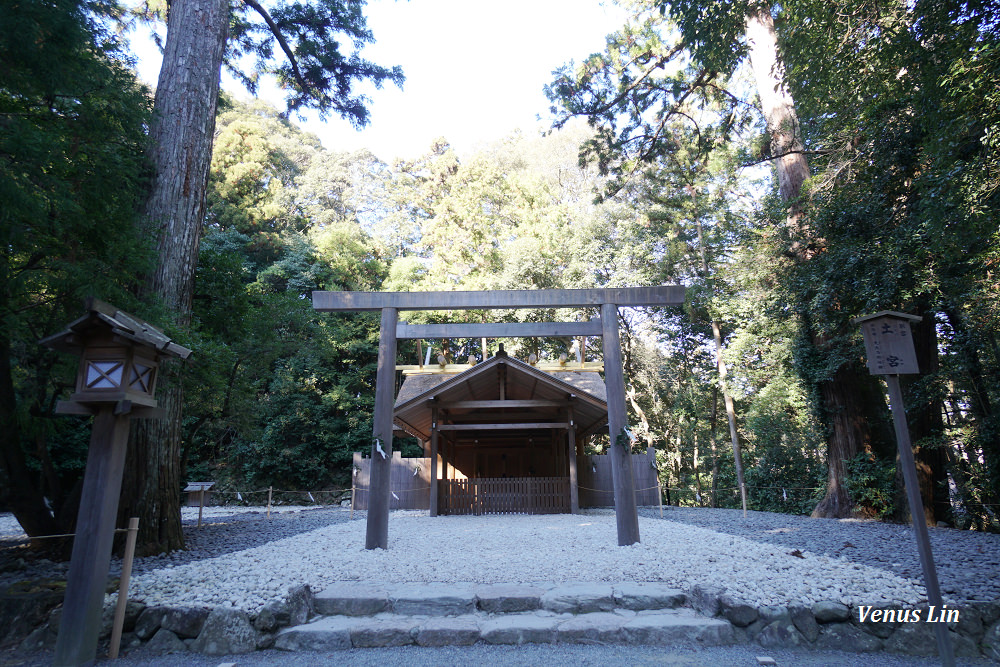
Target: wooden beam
[[501, 427], [485, 405], [454, 369], [626, 512], [498, 330], [661, 295], [503, 416], [379, 490]]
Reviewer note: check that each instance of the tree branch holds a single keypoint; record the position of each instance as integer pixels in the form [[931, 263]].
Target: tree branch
[[306, 86], [623, 94], [768, 158]]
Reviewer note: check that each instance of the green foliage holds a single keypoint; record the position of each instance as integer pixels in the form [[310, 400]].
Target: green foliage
[[283, 395], [647, 99], [871, 484], [318, 69], [906, 197], [72, 138], [318, 410], [898, 109]]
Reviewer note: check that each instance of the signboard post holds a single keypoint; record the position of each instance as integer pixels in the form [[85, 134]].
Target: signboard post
[[891, 353]]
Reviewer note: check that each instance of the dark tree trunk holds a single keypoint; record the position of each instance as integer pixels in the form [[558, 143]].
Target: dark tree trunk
[[850, 434], [21, 494], [843, 395], [926, 423], [181, 149]]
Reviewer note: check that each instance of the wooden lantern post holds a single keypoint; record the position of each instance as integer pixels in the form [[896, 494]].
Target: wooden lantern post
[[890, 351], [119, 360]]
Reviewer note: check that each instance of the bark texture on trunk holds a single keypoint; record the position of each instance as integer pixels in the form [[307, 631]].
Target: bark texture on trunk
[[181, 150], [779, 111], [846, 415], [926, 422], [849, 434]]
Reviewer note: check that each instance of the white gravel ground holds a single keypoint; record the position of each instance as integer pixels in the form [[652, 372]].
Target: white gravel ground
[[240, 558], [521, 549]]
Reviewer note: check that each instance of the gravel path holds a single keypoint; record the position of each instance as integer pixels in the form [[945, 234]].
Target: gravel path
[[527, 655], [242, 559], [968, 563]]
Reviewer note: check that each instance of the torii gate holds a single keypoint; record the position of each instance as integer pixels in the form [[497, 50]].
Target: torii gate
[[390, 303]]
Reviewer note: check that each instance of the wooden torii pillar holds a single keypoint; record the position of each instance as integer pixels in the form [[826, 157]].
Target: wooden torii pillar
[[390, 303]]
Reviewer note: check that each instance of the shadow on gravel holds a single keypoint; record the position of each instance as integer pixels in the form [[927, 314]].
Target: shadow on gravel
[[223, 534]]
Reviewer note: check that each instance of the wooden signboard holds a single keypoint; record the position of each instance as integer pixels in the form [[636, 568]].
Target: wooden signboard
[[891, 353], [889, 344]]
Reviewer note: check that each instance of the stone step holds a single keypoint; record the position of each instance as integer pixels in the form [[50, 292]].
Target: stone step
[[660, 628], [440, 599]]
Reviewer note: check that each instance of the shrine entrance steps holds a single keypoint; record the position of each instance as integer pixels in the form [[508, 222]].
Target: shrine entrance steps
[[358, 615]]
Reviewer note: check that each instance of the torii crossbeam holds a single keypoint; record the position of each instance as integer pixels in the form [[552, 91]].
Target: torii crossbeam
[[390, 303]]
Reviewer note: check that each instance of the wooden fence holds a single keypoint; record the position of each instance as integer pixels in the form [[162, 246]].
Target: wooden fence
[[504, 495], [529, 495], [409, 491], [596, 486]]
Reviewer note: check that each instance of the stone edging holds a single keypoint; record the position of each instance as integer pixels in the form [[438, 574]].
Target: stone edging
[[822, 626], [831, 625]]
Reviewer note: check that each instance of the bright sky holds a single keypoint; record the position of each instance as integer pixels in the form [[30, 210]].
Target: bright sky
[[474, 70]]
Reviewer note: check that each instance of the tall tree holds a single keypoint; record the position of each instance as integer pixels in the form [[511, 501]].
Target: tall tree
[[655, 117], [842, 401], [720, 37], [316, 71], [902, 193]]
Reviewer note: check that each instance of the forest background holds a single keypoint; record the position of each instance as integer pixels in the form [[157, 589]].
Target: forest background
[[655, 171]]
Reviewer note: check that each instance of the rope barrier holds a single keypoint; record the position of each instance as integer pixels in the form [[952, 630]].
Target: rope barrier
[[49, 537], [247, 493], [586, 488]]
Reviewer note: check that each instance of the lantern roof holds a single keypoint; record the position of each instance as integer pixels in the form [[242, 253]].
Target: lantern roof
[[104, 316]]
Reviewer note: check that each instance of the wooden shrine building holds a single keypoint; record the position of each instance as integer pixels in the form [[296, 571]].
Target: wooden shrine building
[[469, 419], [506, 435]]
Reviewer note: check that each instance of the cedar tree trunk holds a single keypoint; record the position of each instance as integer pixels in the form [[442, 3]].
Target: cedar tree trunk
[[924, 416], [180, 151], [845, 412]]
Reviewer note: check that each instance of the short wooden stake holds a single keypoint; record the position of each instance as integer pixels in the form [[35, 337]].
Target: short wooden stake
[[269, 490], [201, 504], [354, 490], [116, 629], [659, 492]]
